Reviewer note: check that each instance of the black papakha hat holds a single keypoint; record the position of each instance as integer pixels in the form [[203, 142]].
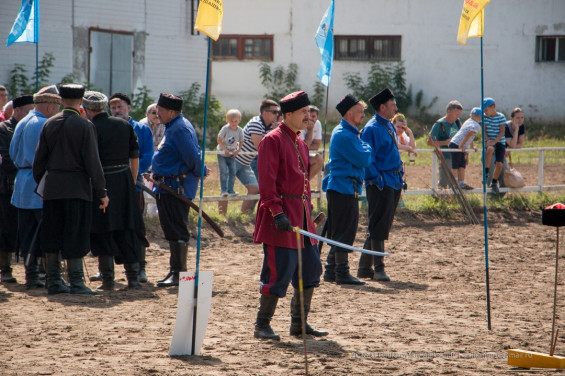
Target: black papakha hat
[[170, 102], [294, 101], [346, 103], [121, 96], [22, 101], [71, 91], [381, 98]]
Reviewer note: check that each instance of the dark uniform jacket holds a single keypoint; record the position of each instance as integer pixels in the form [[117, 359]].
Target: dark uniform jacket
[[8, 170], [68, 152]]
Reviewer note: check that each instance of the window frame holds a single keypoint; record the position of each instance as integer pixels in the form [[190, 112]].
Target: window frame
[[369, 47], [90, 52], [240, 49], [559, 43]]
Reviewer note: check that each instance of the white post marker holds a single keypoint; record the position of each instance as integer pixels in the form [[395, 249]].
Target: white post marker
[[181, 343]]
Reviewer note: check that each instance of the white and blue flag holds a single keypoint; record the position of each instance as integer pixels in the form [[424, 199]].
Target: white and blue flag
[[325, 42], [26, 26]]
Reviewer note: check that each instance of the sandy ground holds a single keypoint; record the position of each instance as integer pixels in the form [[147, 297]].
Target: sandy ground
[[430, 319]]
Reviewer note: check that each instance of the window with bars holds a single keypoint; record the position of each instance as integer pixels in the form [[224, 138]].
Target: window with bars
[[368, 47], [550, 48], [243, 47]]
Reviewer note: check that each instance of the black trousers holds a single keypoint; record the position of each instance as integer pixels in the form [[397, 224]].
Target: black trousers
[[66, 227], [8, 223], [343, 218], [173, 215], [29, 222], [382, 207]]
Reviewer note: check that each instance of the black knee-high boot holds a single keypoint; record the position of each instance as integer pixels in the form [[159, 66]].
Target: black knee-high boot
[[296, 321], [263, 330]]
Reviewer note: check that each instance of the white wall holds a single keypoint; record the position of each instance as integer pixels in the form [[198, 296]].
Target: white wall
[[434, 61], [172, 58]]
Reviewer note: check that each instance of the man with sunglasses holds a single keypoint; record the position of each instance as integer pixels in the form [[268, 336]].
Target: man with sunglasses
[[253, 133]]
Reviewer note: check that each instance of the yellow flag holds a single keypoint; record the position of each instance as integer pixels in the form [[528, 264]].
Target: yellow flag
[[209, 18], [472, 20]]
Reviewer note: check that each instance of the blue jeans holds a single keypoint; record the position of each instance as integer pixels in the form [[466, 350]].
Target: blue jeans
[[253, 166], [226, 165]]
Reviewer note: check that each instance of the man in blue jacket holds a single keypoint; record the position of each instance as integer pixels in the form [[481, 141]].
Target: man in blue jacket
[[177, 164], [349, 156], [383, 183]]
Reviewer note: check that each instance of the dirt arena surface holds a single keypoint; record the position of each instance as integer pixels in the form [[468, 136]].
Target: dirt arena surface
[[431, 319]]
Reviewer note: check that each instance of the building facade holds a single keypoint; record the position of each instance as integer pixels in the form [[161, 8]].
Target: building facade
[[135, 43]]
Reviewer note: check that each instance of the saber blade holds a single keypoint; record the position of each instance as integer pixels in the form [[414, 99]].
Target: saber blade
[[338, 244]]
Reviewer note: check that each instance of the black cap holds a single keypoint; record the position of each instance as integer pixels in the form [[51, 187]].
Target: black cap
[[22, 101], [170, 102], [121, 96], [346, 103], [71, 91], [381, 98], [294, 101]]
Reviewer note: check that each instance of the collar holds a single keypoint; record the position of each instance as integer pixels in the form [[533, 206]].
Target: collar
[[167, 125], [284, 128], [351, 128], [265, 126]]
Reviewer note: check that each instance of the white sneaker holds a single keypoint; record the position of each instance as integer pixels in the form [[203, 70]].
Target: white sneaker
[[225, 194], [233, 194]]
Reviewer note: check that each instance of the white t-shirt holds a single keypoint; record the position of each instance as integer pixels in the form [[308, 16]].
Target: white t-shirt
[[316, 132], [469, 125], [403, 139]]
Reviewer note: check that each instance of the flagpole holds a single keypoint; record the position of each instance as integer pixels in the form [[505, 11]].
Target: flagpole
[[36, 67], [325, 126], [202, 168], [485, 190]]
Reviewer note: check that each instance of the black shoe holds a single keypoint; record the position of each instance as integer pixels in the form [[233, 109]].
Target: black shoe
[[96, 277], [134, 285], [381, 277], [166, 277], [34, 284], [264, 331], [106, 286], [173, 280], [7, 277], [329, 275], [347, 279], [296, 330], [365, 273], [142, 276]]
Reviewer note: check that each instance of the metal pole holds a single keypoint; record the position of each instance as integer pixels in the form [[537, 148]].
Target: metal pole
[[485, 191], [553, 342], [202, 167]]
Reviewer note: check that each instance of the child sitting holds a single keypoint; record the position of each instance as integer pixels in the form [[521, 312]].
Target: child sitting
[[463, 139]]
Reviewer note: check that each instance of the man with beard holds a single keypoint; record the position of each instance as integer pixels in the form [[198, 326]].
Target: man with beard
[[22, 149], [120, 106], [118, 232], [69, 176], [8, 212]]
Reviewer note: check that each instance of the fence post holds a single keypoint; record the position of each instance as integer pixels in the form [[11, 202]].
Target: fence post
[[540, 170], [434, 171]]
